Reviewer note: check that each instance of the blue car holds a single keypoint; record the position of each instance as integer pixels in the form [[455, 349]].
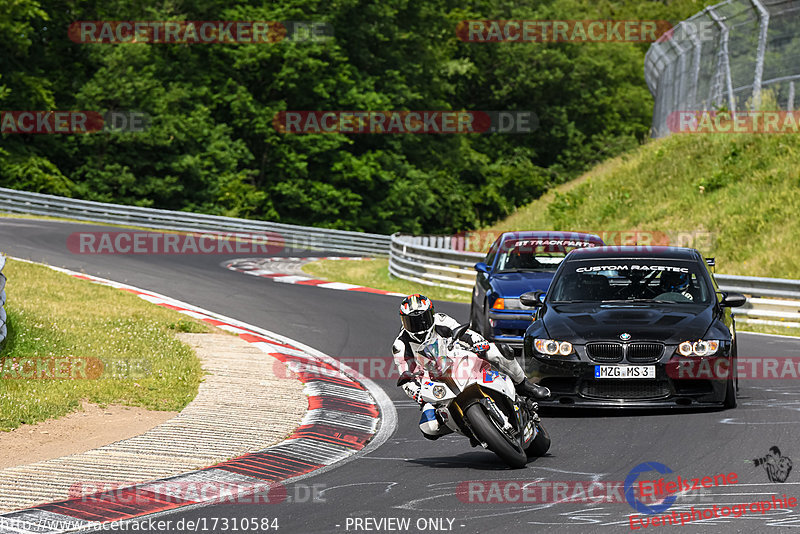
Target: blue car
[[518, 262]]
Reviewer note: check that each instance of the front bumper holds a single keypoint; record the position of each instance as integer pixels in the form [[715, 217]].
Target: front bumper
[[509, 326], [573, 384]]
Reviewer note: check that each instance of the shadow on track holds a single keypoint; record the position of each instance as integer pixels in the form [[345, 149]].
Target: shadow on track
[[476, 460]]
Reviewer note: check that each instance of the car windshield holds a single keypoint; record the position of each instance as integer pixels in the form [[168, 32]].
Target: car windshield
[[535, 255], [631, 281]]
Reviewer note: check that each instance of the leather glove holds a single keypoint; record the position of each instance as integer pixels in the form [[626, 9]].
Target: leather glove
[[480, 348]]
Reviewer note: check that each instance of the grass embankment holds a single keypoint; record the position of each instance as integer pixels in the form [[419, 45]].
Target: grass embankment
[[734, 197], [113, 347], [743, 191]]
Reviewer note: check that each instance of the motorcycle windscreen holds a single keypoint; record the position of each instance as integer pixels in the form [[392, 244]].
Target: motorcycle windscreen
[[436, 360]]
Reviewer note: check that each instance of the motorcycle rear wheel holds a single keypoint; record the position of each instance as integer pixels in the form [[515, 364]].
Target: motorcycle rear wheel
[[487, 432]]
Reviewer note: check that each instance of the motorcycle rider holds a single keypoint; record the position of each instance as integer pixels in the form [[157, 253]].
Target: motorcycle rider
[[420, 324], [680, 283]]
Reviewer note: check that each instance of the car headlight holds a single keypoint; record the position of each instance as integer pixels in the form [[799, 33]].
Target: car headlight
[[698, 348], [551, 347]]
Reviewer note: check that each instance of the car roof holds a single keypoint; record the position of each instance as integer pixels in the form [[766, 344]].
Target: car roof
[[672, 253], [551, 234]]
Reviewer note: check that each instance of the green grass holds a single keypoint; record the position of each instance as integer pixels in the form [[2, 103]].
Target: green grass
[[119, 348], [741, 326], [375, 274]]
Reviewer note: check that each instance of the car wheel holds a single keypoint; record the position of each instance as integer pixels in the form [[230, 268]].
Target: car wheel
[[730, 394], [486, 329], [473, 319]]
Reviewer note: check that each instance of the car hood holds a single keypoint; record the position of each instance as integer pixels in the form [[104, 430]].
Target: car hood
[[515, 284], [669, 323]]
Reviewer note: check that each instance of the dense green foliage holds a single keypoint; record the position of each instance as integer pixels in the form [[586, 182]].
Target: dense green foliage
[[211, 146]]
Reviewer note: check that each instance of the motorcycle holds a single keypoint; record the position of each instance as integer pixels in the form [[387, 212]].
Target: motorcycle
[[474, 399]]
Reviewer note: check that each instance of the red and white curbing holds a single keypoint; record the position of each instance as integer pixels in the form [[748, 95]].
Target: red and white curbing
[[343, 416], [260, 267]]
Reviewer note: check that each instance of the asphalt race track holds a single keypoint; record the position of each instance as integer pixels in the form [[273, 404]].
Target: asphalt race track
[[412, 478]]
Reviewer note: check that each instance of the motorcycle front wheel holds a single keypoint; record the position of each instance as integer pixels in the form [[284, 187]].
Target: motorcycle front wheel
[[540, 444], [486, 431]]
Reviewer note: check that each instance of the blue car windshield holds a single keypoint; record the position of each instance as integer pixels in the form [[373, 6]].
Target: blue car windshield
[[632, 280], [534, 255]]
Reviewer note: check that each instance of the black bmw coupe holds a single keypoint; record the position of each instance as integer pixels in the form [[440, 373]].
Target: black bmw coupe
[[632, 327]]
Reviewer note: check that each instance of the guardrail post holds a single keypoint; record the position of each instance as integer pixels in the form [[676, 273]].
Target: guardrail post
[[3, 318], [723, 64], [763, 26]]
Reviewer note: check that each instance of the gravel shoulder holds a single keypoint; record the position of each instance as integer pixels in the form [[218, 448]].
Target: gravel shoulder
[[245, 403]]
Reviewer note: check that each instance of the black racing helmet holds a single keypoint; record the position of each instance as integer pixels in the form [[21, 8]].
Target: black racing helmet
[[416, 314], [674, 282]]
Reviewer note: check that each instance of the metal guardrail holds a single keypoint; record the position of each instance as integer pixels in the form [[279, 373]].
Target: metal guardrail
[[728, 55], [3, 327], [292, 236], [431, 260]]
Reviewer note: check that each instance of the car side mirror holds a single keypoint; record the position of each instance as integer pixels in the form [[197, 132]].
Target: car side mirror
[[482, 267], [732, 299], [531, 299]]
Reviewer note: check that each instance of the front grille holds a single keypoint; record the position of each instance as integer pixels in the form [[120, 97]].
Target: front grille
[[604, 352], [625, 389], [644, 352], [634, 352]]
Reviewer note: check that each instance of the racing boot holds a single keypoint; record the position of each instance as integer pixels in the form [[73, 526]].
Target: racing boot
[[534, 391]]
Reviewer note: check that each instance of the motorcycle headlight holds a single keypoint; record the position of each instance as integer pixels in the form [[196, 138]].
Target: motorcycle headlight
[[700, 347], [551, 347]]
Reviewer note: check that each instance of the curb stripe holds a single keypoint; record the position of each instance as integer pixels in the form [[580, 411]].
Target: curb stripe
[[272, 467], [333, 429], [342, 405], [245, 265]]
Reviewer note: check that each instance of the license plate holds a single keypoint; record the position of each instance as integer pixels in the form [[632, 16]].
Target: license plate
[[624, 371]]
